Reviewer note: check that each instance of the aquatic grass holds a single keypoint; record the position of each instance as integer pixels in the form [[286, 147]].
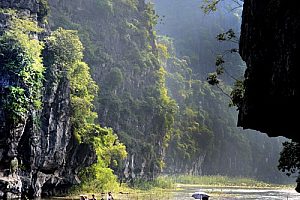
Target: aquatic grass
[[166, 185], [223, 181], [160, 182]]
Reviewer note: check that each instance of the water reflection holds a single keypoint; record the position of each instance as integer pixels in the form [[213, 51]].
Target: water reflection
[[216, 194], [241, 193]]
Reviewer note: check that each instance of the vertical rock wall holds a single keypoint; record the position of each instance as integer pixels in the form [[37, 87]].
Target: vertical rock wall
[[41, 146], [119, 46], [269, 44]]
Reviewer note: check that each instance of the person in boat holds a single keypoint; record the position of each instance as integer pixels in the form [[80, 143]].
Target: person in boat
[[83, 197], [93, 197], [200, 195], [102, 195], [110, 197]]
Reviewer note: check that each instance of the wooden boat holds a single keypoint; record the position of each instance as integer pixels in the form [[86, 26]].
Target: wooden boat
[[83, 197], [200, 196]]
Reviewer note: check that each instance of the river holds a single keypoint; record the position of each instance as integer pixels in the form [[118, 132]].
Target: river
[[228, 193], [234, 193]]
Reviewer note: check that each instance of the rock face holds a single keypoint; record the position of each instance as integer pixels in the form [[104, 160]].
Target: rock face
[[119, 46], [28, 5], [268, 44], [39, 155]]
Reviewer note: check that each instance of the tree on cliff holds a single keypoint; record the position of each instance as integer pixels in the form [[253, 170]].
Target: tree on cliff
[[66, 50], [289, 161]]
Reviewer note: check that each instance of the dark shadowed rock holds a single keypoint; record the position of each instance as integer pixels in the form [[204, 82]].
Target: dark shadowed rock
[[269, 45]]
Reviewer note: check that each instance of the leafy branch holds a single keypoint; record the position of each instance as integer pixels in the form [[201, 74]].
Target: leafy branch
[[289, 161], [237, 94], [209, 6], [228, 36]]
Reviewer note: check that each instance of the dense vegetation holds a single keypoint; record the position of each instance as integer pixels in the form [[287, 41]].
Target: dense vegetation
[[25, 61], [194, 134], [133, 99], [289, 161], [154, 112], [289, 156], [64, 52], [206, 135], [23, 65], [222, 181], [205, 139]]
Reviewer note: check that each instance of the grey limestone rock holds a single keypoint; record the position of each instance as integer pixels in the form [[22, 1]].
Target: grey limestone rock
[[42, 144]]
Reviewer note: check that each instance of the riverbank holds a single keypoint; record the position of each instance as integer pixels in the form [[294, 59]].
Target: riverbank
[[216, 193], [223, 181], [167, 185]]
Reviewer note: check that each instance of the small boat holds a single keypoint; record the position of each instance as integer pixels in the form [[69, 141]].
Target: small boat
[[200, 196], [83, 197]]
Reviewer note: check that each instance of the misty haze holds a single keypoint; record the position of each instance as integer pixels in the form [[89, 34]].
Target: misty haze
[[155, 99]]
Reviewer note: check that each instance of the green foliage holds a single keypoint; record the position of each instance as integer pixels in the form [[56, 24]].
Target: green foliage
[[66, 49], [132, 3], [213, 78], [163, 52], [220, 181], [209, 5], [289, 161], [204, 129], [134, 96], [83, 90], [21, 58], [219, 60], [151, 15], [16, 102], [227, 36], [167, 105], [110, 152], [112, 148], [44, 10], [220, 70], [105, 5], [104, 182], [221, 148], [159, 182], [237, 93], [114, 79], [189, 137]]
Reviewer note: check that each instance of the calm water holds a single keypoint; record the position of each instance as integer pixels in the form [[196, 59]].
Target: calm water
[[239, 193], [215, 193]]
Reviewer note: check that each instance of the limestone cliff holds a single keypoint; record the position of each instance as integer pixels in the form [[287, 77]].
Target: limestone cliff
[[269, 38], [119, 40], [38, 141]]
